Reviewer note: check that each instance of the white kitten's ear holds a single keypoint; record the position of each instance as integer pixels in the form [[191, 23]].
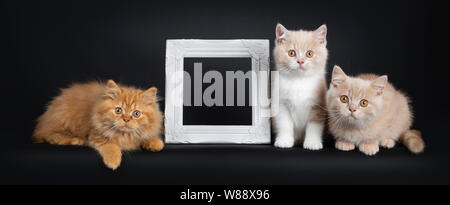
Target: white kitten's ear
[[338, 77], [379, 84], [280, 32], [112, 89], [321, 34], [149, 96]]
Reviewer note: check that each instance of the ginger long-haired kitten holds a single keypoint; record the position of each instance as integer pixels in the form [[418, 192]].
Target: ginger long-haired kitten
[[107, 117], [368, 112], [300, 57]]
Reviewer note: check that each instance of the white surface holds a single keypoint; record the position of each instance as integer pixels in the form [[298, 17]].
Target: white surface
[[175, 131]]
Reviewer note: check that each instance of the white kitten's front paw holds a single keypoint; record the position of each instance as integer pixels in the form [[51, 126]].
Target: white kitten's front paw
[[284, 142], [312, 145]]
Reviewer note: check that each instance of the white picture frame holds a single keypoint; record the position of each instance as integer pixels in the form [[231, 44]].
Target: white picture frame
[[176, 132]]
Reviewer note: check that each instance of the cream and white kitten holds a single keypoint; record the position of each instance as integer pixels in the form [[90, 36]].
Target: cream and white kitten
[[368, 112], [300, 57]]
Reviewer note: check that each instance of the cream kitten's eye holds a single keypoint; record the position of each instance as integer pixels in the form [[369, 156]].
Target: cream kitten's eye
[[309, 54], [136, 113], [118, 110], [344, 99], [364, 103], [291, 53]]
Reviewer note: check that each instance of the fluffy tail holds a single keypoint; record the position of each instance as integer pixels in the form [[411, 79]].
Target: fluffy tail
[[412, 139]]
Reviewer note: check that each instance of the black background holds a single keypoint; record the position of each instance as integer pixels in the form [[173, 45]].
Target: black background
[[50, 44], [218, 115]]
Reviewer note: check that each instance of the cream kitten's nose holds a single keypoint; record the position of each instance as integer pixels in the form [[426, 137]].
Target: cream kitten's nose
[[352, 110], [300, 61]]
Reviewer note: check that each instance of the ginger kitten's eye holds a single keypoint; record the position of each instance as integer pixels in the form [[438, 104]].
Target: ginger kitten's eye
[[136, 113], [344, 99], [309, 54], [364, 103], [291, 53], [118, 110]]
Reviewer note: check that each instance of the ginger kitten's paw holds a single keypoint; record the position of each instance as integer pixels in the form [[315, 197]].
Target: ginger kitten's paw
[[344, 146], [387, 143], [284, 142], [112, 159], [75, 141], [153, 144], [60, 139], [369, 148], [111, 154], [312, 145]]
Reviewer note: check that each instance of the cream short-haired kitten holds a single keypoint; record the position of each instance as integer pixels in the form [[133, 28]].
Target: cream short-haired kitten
[[368, 112], [300, 57]]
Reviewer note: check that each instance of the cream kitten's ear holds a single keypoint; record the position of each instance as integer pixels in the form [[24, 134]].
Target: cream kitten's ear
[[338, 77], [149, 96], [112, 89], [321, 34], [280, 32], [379, 84]]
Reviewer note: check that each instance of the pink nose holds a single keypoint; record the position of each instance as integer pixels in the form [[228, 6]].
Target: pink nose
[[126, 119], [352, 110], [300, 61]]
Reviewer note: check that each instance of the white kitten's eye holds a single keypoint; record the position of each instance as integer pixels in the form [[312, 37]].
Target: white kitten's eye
[[309, 54], [344, 99], [364, 103], [136, 113], [118, 110], [291, 53]]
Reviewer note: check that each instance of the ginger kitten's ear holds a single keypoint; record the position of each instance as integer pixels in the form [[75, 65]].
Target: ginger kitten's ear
[[112, 89], [338, 77], [379, 84], [321, 34], [149, 96], [280, 32]]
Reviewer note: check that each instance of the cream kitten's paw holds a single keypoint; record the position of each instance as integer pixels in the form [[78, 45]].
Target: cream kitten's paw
[[284, 142], [344, 146], [387, 143], [369, 148], [312, 145]]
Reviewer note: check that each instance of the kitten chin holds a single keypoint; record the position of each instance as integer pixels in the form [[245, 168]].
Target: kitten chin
[[382, 114], [300, 56], [107, 117]]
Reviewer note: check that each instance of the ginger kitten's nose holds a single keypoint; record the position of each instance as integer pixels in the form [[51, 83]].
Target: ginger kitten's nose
[[126, 119], [300, 61], [352, 110]]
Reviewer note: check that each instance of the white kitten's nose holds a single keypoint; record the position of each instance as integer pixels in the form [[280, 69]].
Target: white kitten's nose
[[352, 110], [300, 61]]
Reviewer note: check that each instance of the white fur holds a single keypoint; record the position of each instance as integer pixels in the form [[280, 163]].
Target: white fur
[[298, 93], [300, 86], [313, 139]]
